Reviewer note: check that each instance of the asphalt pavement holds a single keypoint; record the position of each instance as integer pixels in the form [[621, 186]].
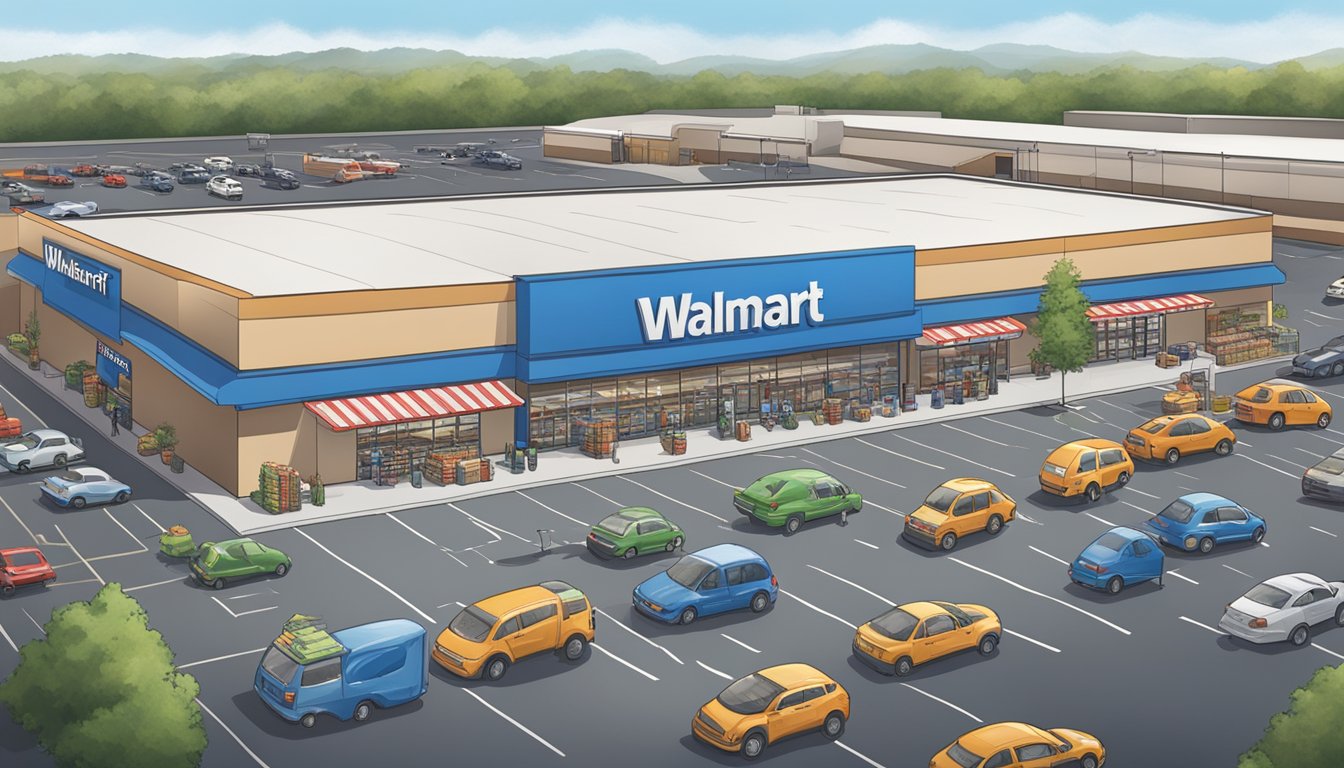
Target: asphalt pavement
[[1146, 671]]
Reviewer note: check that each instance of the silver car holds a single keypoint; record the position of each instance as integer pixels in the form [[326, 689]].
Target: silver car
[[40, 448], [1325, 480], [1285, 608]]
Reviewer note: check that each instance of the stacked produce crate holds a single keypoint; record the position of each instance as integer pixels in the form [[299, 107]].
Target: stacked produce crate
[[833, 408], [9, 427], [279, 488], [74, 374], [673, 442], [94, 391], [744, 431], [863, 413], [305, 640], [147, 444], [474, 471], [598, 437], [396, 463], [441, 467]]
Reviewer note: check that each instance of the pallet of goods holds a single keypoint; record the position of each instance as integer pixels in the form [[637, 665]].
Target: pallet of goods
[[280, 488], [673, 442], [598, 437], [744, 431], [471, 471], [863, 413], [94, 391], [441, 466], [833, 409]]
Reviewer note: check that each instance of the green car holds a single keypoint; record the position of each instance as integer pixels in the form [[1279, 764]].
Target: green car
[[791, 497], [634, 531], [218, 562]]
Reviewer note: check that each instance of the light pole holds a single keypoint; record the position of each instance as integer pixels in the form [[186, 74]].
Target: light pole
[[1132, 153]]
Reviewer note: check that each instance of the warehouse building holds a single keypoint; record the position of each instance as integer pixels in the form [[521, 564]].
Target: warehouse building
[[316, 335]]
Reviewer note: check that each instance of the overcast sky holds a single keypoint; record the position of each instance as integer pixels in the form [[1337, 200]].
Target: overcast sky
[[1262, 32]]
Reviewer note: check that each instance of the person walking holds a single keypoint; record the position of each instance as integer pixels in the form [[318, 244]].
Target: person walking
[[116, 419], [844, 516]]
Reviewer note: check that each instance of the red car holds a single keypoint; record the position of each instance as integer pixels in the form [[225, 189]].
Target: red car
[[22, 566], [84, 169], [114, 180]]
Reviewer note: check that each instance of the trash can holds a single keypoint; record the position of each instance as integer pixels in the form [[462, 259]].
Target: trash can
[[936, 397], [417, 478], [958, 394]]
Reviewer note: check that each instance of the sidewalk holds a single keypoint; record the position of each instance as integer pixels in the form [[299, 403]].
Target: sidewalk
[[569, 465]]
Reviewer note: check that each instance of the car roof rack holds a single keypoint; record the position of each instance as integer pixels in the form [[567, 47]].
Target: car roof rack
[[304, 639]]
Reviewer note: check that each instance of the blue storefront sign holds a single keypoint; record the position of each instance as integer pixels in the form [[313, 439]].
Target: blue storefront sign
[[111, 364], [588, 324], [83, 288]]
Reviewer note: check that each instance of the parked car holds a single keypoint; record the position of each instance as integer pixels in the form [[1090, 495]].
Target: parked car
[[958, 508], [372, 666], [217, 563], [68, 209], [22, 566], [247, 169], [1325, 360], [1086, 467], [489, 636], [1119, 558], [634, 531], [218, 164], [1168, 438], [1203, 521], [790, 497], [493, 158], [771, 705], [1325, 480], [80, 486], [1018, 745], [192, 174], [915, 633], [725, 577], [1276, 404], [19, 193], [465, 149], [114, 180], [1284, 608], [86, 170], [225, 187], [116, 170], [157, 181], [40, 448], [279, 177]]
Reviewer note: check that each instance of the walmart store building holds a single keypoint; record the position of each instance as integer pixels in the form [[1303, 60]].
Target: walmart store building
[[310, 335]]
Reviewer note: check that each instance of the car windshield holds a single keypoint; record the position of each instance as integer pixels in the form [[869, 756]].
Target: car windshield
[[71, 477], [472, 624], [750, 695], [688, 571], [1177, 510], [941, 499], [963, 756], [280, 666], [616, 524], [767, 486], [27, 442], [1064, 744], [1154, 426], [1112, 541], [211, 556], [1332, 464], [1335, 343], [895, 624], [1265, 594]]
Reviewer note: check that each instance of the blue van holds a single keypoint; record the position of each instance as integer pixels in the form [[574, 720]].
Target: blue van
[[381, 665], [725, 577]]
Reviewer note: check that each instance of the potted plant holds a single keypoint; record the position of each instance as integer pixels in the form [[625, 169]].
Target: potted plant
[[166, 437], [33, 330]]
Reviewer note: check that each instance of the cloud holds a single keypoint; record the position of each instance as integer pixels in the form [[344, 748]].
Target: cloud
[[1271, 39]]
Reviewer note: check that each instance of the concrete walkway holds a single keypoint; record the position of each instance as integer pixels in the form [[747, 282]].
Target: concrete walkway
[[570, 465]]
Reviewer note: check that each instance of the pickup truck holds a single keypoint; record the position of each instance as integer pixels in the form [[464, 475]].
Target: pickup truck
[[40, 448], [279, 177]]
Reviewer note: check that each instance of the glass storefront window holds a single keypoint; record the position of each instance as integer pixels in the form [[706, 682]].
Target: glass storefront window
[[699, 396], [880, 369], [417, 439], [842, 373], [974, 367], [664, 400], [630, 407], [604, 400], [813, 366], [550, 422]]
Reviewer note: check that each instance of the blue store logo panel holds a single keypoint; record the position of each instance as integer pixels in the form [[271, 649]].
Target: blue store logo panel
[[83, 288]]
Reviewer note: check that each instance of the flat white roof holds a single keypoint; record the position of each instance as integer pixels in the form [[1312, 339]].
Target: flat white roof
[[351, 247]]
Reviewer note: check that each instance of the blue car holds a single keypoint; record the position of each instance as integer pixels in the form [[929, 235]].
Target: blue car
[[80, 486], [725, 577], [1119, 558], [1203, 521]]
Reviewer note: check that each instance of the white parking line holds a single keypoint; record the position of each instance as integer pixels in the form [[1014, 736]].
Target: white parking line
[[1047, 554], [1246, 444], [24, 405], [1141, 493], [1313, 454], [1327, 650], [34, 621], [670, 654], [20, 520], [8, 639], [981, 437], [1214, 630], [155, 584], [553, 509], [862, 757], [81, 557], [1234, 570], [1182, 474], [1029, 590], [1026, 519], [1021, 429], [1183, 578], [1316, 433], [1021, 636], [488, 530], [712, 670], [403, 524], [1286, 461], [597, 647], [675, 501], [852, 469], [137, 541], [859, 587], [1320, 530], [943, 702], [712, 479], [598, 495], [1122, 408], [739, 642], [871, 503], [955, 456], [244, 613], [894, 453], [1141, 509], [220, 658], [515, 723], [376, 582], [1101, 520], [229, 731], [1267, 466], [482, 523], [866, 544], [818, 610]]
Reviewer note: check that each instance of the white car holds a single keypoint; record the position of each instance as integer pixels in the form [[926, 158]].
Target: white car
[[1336, 289], [68, 209], [225, 187], [40, 448], [1285, 608], [219, 164]]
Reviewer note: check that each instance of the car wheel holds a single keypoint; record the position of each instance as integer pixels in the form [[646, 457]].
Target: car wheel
[[1223, 448], [1123, 479], [674, 544], [834, 727], [1206, 544], [1115, 585], [1337, 369], [630, 553], [793, 523], [759, 602], [987, 645], [122, 497], [23, 468], [496, 667], [1321, 372], [1323, 421], [308, 720], [903, 666], [687, 615], [1300, 635], [217, 583], [948, 542], [7, 590], [1094, 493], [574, 647], [362, 710], [1088, 761], [1339, 616], [994, 525], [1276, 421], [753, 745], [60, 460], [282, 569], [1173, 456], [78, 502]]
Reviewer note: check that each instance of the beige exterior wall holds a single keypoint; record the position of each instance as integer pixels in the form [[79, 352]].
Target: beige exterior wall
[[290, 434], [1186, 326], [574, 146], [497, 427], [11, 320]]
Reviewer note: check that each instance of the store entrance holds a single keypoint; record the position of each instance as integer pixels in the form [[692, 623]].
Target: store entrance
[[976, 368], [114, 373], [1128, 338]]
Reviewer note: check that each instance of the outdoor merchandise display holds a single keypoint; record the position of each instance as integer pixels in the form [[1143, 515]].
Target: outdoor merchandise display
[[862, 413], [305, 640], [474, 471], [598, 437], [1236, 335], [74, 374], [95, 392], [281, 489], [9, 427], [673, 442], [396, 464], [176, 542], [319, 491], [833, 409], [147, 444], [441, 467]]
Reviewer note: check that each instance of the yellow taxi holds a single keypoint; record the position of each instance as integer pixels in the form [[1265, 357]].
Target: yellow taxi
[[1018, 745], [1168, 438], [915, 633], [1086, 467], [489, 636], [1278, 403], [772, 704], [958, 508]]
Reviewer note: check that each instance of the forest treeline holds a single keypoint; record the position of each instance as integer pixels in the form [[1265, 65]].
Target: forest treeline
[[197, 102]]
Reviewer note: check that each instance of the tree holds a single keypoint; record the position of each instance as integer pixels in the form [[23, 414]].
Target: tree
[[1308, 734], [1062, 325], [101, 690]]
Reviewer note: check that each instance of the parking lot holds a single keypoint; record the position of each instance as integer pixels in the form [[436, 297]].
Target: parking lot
[[1119, 667]]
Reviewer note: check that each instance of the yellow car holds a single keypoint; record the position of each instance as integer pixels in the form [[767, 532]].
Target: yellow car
[[915, 633], [1018, 745], [958, 508], [772, 704], [488, 636], [1280, 403], [1086, 467], [1168, 438]]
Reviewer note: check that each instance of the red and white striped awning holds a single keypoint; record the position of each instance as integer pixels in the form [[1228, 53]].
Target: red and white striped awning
[[1160, 306], [413, 405], [985, 330]]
